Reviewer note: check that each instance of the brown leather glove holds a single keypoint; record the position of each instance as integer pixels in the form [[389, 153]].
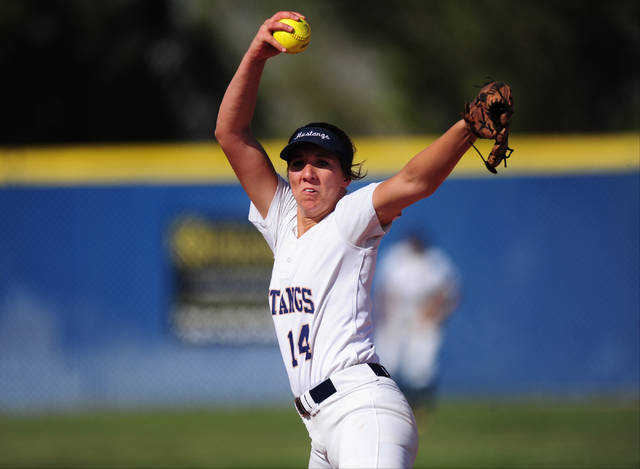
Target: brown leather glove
[[489, 116]]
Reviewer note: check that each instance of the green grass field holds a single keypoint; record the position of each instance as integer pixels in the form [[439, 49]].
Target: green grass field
[[456, 435]]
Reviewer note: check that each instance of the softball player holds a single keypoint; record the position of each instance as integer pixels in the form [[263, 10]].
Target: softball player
[[325, 243], [412, 305]]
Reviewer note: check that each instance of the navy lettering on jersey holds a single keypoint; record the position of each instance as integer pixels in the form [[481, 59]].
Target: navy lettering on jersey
[[309, 308], [292, 300], [274, 294], [290, 291], [283, 306], [297, 298]]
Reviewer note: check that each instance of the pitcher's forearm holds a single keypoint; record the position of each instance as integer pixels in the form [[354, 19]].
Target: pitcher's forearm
[[431, 166], [423, 174], [239, 101]]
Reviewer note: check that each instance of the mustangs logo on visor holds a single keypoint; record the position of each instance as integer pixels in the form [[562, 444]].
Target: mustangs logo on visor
[[318, 136], [311, 133]]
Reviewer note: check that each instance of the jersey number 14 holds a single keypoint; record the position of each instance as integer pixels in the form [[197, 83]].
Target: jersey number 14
[[303, 345]]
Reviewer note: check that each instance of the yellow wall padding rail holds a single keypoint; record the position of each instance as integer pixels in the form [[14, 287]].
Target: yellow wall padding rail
[[195, 163]]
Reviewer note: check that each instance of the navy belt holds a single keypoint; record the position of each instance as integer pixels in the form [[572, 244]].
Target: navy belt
[[326, 389]]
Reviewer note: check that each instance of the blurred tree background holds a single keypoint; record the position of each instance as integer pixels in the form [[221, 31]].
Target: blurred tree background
[[156, 70]]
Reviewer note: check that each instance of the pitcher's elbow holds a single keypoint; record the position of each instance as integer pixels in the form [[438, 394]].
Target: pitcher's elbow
[[219, 133], [224, 136]]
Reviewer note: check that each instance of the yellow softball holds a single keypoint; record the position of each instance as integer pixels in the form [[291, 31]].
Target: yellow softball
[[296, 41]]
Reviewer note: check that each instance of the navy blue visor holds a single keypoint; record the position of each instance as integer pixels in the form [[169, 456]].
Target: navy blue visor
[[323, 138]]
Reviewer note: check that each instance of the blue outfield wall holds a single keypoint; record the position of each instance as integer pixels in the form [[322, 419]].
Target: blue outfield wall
[[550, 305]]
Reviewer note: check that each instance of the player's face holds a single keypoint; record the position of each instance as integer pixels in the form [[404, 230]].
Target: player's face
[[317, 181]]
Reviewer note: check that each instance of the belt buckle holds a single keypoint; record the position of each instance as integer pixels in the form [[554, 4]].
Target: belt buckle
[[301, 409]]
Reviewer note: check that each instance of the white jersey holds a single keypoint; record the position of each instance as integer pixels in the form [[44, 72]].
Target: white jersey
[[319, 295], [408, 343]]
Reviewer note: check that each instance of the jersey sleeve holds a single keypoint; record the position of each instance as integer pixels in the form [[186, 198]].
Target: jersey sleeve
[[357, 220], [283, 207]]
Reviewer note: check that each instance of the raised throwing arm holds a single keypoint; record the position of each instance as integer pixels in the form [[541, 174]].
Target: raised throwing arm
[[248, 159]]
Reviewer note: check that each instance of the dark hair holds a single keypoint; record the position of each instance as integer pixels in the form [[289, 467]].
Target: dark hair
[[351, 171]]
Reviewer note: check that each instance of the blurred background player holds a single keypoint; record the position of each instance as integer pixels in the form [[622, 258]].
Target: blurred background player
[[418, 288]]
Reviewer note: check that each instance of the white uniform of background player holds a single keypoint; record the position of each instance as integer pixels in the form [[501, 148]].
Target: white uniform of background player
[[417, 289], [325, 243]]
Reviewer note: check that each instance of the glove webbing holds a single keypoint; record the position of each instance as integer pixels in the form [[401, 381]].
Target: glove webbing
[[486, 163]]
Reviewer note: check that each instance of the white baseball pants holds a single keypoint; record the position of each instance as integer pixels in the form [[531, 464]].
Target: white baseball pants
[[367, 423]]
